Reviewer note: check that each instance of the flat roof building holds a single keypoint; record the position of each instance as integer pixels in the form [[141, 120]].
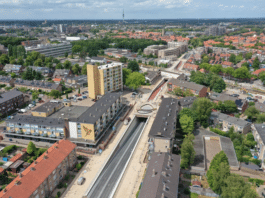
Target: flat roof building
[[47, 108], [104, 79]]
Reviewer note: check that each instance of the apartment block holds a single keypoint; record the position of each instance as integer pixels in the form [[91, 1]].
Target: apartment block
[[104, 79], [53, 50], [10, 101], [258, 131], [31, 43], [27, 126], [91, 124], [215, 30], [40, 179], [162, 132], [153, 49]]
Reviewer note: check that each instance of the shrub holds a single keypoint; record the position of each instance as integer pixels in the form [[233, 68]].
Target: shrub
[[67, 177], [80, 157], [59, 193], [82, 163], [78, 166], [60, 185], [65, 185], [2, 163], [219, 132], [256, 161], [186, 191], [30, 161], [9, 149], [257, 181]]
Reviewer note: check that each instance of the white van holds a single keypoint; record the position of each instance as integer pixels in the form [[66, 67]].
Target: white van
[[80, 181]]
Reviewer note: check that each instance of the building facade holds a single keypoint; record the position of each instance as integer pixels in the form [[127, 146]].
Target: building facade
[[104, 79], [53, 50], [258, 131], [40, 179]]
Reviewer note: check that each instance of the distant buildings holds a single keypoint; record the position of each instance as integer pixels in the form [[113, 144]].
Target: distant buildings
[[215, 30], [30, 43], [104, 79], [258, 131], [153, 76], [45, 173], [53, 50], [45, 71], [10, 68], [76, 81]]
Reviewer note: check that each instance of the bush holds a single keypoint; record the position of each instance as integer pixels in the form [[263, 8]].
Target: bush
[[82, 163], [256, 161], [78, 166], [219, 132], [65, 185], [257, 181], [60, 185], [186, 191], [58, 193], [2, 163], [30, 161], [67, 177], [79, 157], [9, 149]]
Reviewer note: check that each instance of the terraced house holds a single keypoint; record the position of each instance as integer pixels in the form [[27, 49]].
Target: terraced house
[[41, 178]]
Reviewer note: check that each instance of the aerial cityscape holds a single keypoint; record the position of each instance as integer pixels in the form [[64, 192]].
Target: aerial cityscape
[[148, 99]]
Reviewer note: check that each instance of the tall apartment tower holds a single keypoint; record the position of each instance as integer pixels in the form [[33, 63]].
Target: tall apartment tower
[[123, 15], [104, 79]]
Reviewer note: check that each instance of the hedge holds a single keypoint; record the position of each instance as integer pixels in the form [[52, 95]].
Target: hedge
[[9, 149], [219, 132]]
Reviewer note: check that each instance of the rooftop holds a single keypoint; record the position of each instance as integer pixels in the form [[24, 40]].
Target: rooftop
[[36, 83], [111, 65], [261, 131], [92, 114], [72, 112], [165, 120], [32, 179], [9, 95], [162, 176], [234, 120], [41, 121], [48, 106], [186, 84]]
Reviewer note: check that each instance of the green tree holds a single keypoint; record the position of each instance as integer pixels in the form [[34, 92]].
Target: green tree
[[31, 148], [236, 187], [251, 112], [178, 91], [227, 106], [256, 63], [4, 59], [10, 50], [187, 151], [239, 58], [197, 77], [188, 112], [76, 48], [20, 60], [59, 66], [38, 62], [232, 58], [216, 68], [139, 52], [248, 55], [56, 61], [125, 73], [218, 171], [67, 64], [123, 59], [66, 54], [133, 66], [78, 90], [76, 68], [84, 69], [55, 93], [218, 84], [242, 73], [187, 124], [260, 118], [13, 62], [135, 80], [35, 96], [202, 108], [13, 75]]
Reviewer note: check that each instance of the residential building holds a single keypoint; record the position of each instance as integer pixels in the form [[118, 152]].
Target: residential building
[[53, 50], [44, 174], [104, 79], [190, 67], [76, 81], [153, 76], [153, 49], [227, 122], [162, 176], [95, 59], [215, 30], [91, 124], [260, 106], [117, 53], [241, 104], [163, 130], [11, 100], [62, 73], [196, 89], [45, 71], [36, 128], [186, 102], [37, 84], [7, 80], [10, 68], [258, 131], [47, 108]]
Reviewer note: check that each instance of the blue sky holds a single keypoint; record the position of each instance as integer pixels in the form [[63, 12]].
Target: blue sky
[[134, 9]]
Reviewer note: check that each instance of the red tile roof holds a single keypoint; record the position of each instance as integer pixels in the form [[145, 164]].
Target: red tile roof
[[16, 157], [257, 72], [57, 79], [190, 66], [227, 63], [32, 179], [1, 170]]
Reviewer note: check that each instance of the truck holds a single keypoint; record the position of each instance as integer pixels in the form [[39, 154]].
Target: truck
[[127, 120]]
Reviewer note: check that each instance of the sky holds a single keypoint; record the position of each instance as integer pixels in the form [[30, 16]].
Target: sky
[[133, 9]]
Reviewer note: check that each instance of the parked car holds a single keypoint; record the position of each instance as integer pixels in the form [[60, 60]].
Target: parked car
[[81, 180], [94, 100], [31, 105], [134, 93], [79, 98], [84, 97], [85, 92], [249, 99]]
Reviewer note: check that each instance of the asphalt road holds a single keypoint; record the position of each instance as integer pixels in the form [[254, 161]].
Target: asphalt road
[[109, 176]]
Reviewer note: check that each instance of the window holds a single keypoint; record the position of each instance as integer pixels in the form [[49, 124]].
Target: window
[[37, 196], [42, 192], [54, 171], [54, 177], [35, 192]]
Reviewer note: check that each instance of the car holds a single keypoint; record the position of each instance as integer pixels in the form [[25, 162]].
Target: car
[[264, 102], [86, 92], [94, 100], [31, 105], [234, 95], [79, 98], [134, 93], [81, 180], [76, 95], [84, 96]]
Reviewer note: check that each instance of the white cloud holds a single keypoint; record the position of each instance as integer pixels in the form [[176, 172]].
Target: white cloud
[[48, 10], [241, 6], [220, 5]]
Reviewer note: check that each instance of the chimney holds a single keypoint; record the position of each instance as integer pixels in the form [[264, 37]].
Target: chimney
[[162, 196], [169, 157], [154, 173], [45, 157], [35, 162], [164, 173], [32, 168], [20, 175], [4, 190], [168, 164]]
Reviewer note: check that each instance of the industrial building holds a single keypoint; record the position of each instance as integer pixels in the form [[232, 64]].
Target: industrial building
[[104, 79]]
